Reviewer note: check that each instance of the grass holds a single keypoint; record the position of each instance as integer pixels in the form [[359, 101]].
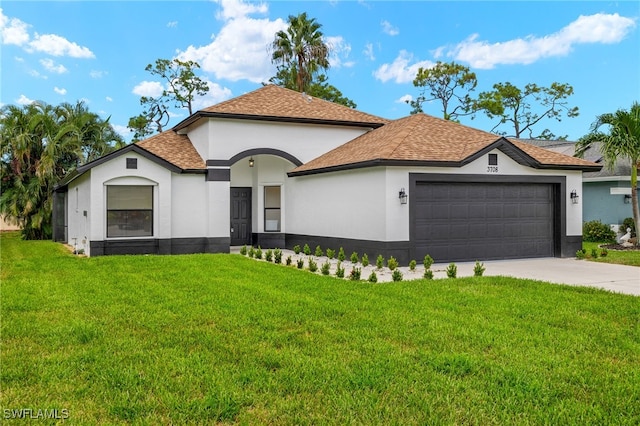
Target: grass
[[622, 257], [203, 339]]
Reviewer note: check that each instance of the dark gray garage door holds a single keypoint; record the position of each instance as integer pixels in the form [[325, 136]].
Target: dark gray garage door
[[482, 221]]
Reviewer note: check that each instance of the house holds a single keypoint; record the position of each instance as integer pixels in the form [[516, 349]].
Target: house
[[277, 168], [606, 192]]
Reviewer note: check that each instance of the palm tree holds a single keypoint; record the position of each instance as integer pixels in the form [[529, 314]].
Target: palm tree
[[300, 51], [621, 142]]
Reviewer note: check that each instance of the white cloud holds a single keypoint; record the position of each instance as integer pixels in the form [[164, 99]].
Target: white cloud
[[401, 71], [55, 45], [598, 28], [109, 99], [13, 31], [60, 91], [216, 94], [240, 50], [23, 100], [339, 51], [368, 52], [172, 24], [404, 99], [51, 66], [389, 29], [124, 131], [151, 89]]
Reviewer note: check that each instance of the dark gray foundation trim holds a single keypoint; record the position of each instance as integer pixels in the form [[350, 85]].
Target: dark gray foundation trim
[[269, 239], [570, 245], [160, 246], [218, 175]]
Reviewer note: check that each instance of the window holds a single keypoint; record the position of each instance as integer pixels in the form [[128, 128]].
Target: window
[[132, 163], [493, 159], [272, 209], [129, 211]]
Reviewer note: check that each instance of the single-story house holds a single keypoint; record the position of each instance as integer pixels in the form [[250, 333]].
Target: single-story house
[[278, 168], [606, 192]]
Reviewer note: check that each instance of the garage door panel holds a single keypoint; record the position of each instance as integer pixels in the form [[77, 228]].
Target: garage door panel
[[476, 221]]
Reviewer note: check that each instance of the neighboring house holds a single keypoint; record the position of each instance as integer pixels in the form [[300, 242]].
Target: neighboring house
[[277, 168], [607, 192]]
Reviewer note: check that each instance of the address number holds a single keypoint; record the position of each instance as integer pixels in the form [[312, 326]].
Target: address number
[[492, 169]]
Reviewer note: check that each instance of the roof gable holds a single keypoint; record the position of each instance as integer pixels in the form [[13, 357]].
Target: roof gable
[[275, 103], [174, 148], [424, 140]]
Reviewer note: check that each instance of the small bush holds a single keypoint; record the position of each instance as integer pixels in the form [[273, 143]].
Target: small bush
[[379, 262], [288, 261], [594, 253], [258, 253], [397, 275], [268, 255], [300, 263], [604, 252], [412, 265], [392, 263], [478, 269], [251, 252], [306, 249], [326, 267], [452, 270], [331, 253], [354, 257], [581, 254], [365, 260], [339, 270], [313, 266], [243, 250], [373, 278], [341, 255], [355, 273], [629, 223], [277, 256], [296, 249], [428, 274], [319, 252], [427, 262], [596, 231]]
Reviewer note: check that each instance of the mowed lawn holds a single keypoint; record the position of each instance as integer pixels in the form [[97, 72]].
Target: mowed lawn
[[202, 339]]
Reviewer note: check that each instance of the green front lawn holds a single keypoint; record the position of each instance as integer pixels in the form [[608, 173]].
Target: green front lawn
[[622, 257], [201, 339]]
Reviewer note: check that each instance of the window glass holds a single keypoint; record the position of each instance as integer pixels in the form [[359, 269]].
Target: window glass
[[272, 209], [129, 211]]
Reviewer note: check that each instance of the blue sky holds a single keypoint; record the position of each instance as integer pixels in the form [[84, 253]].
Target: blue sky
[[64, 51]]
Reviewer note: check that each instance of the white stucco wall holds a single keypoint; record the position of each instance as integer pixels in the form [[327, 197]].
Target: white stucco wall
[[78, 202], [189, 207]]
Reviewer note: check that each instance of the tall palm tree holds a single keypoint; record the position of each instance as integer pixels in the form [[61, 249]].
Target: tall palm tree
[[300, 51], [621, 142]]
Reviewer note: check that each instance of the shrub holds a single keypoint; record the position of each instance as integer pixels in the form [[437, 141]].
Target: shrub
[[428, 274], [331, 253], [380, 261], [339, 270], [277, 256], [478, 269], [354, 257], [296, 249], [373, 278], [428, 261], [269, 255], [581, 254], [629, 223], [596, 231], [288, 261], [392, 263], [604, 252], [243, 250], [594, 253], [300, 263], [326, 266], [306, 249], [355, 273], [258, 253], [397, 275], [341, 255], [319, 252], [313, 266], [365, 260], [452, 270], [251, 252], [412, 265]]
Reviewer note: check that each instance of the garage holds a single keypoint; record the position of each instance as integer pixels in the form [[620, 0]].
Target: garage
[[468, 221]]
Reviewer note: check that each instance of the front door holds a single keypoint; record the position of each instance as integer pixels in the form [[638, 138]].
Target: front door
[[240, 216]]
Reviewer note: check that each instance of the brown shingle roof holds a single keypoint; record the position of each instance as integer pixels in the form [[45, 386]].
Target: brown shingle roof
[[427, 140], [174, 148], [278, 103]]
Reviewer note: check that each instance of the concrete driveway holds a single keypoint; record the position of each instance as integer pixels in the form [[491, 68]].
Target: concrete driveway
[[616, 278]]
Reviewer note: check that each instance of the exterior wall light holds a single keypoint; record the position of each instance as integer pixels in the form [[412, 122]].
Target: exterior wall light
[[627, 199], [251, 162], [574, 197], [402, 195]]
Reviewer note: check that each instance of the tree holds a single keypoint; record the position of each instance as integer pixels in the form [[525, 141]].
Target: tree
[[525, 108], [40, 144], [183, 86], [621, 142], [449, 83]]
